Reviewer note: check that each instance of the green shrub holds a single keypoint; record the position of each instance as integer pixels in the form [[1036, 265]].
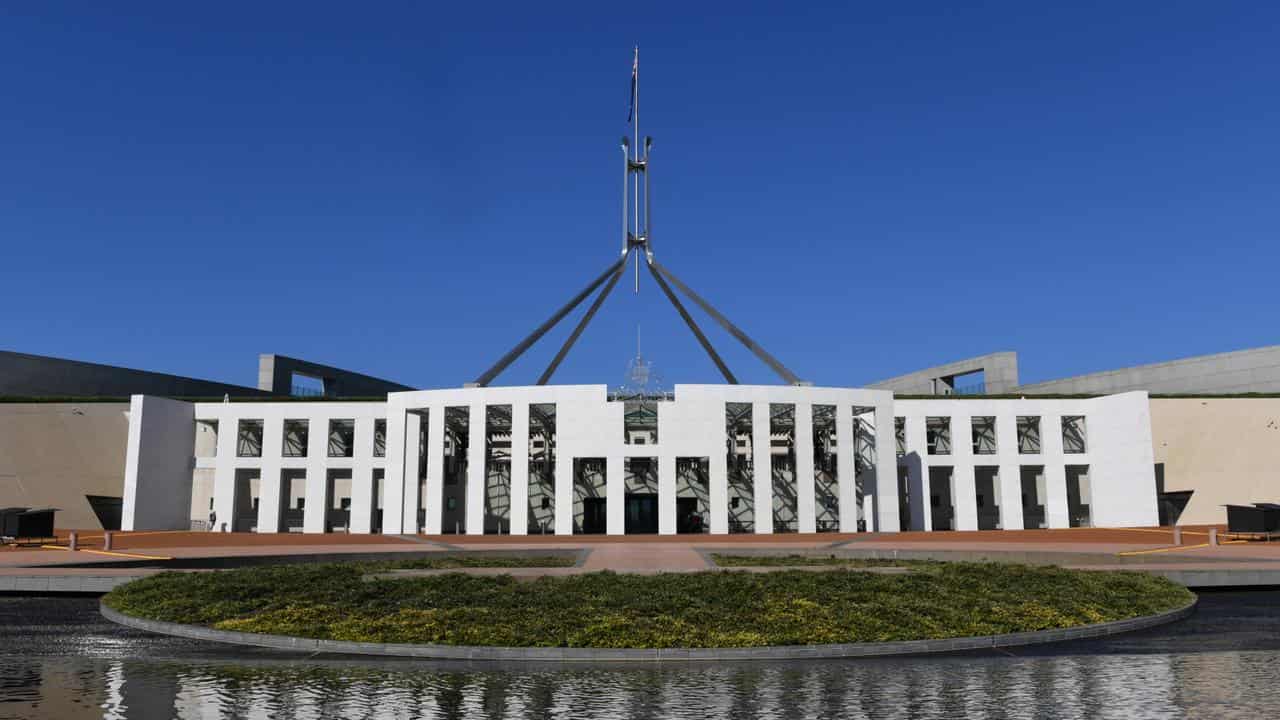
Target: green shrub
[[710, 609]]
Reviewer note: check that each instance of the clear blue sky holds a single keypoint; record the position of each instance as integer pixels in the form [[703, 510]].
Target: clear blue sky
[[406, 189]]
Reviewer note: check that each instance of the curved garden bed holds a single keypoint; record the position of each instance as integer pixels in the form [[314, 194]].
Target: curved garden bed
[[949, 606]]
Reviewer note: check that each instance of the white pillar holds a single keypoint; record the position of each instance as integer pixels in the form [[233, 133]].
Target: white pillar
[[846, 475], [1055, 473], [718, 467], [666, 494], [885, 498], [313, 516], [519, 468], [393, 496], [762, 460], [615, 494], [806, 512], [434, 503], [918, 482], [477, 476], [412, 459], [1010, 472], [224, 475], [362, 500], [963, 484], [270, 492]]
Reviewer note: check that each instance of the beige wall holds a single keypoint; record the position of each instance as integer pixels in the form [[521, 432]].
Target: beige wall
[[1226, 450], [53, 454]]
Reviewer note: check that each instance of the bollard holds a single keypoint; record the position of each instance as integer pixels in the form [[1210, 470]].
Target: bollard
[[71, 541], [1213, 536], [1177, 535], [106, 540]]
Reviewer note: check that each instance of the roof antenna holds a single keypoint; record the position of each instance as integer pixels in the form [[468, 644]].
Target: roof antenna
[[637, 232], [635, 183]]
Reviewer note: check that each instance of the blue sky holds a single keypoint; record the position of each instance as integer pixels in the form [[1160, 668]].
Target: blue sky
[[406, 189]]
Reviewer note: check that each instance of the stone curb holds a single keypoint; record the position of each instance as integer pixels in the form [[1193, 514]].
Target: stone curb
[[850, 550], [559, 654]]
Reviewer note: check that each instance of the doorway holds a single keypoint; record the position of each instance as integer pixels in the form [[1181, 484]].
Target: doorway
[[590, 499], [688, 517], [642, 514], [594, 518], [941, 503]]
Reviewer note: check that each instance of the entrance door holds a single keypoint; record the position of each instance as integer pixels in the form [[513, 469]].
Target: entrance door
[[642, 513], [688, 520], [594, 518]]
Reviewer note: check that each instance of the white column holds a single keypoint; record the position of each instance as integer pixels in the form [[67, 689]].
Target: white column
[[564, 489], [519, 468], [962, 479], [476, 475], [615, 494], [224, 475], [362, 500], [1010, 472], [269, 489], [918, 482], [412, 459], [762, 460], [718, 492], [1055, 472], [846, 475], [666, 494], [885, 498], [434, 515], [313, 516], [393, 498], [806, 511]]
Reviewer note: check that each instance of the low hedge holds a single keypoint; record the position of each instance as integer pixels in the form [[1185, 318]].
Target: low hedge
[[607, 610], [810, 560], [457, 562]]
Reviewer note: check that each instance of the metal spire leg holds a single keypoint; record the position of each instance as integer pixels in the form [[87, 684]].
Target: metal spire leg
[[582, 324], [518, 350], [759, 352], [706, 344]]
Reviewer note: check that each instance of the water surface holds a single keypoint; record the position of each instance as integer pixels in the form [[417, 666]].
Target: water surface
[[60, 659]]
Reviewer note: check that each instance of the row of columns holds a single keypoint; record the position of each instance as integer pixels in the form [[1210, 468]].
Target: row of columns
[[271, 467], [962, 460], [403, 430]]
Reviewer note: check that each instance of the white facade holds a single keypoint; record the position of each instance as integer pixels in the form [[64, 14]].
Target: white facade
[[1112, 472], [233, 466]]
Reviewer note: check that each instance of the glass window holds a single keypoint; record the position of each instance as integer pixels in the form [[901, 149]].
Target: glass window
[[1028, 435], [342, 434], [640, 422], [249, 439], [900, 434], [1073, 434], [938, 435], [457, 438], [295, 438], [380, 437], [984, 435]]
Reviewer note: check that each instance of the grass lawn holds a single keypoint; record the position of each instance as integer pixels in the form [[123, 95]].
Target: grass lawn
[[809, 560], [454, 562], [711, 609]]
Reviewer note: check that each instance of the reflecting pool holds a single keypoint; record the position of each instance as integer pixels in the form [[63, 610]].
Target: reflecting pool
[[60, 659]]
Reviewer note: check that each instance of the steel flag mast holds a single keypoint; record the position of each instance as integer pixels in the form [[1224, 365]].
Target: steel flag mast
[[636, 242]]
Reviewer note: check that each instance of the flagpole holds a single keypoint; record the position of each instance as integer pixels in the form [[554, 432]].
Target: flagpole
[[635, 127]]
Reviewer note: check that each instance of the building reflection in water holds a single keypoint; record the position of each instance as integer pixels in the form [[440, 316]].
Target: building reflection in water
[[1071, 686]]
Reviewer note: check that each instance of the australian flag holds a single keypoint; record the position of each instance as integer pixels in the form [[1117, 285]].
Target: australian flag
[[635, 71]]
